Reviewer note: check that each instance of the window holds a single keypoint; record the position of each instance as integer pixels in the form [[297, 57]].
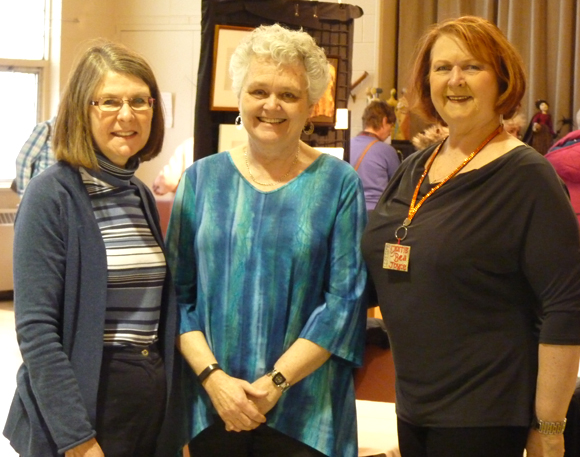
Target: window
[[18, 114], [23, 47]]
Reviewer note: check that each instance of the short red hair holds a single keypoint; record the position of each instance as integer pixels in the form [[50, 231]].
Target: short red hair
[[488, 44]]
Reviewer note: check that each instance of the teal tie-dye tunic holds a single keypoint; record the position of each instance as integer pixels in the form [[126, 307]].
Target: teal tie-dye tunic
[[256, 270]]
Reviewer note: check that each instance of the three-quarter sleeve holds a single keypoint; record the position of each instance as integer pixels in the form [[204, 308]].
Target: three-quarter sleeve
[[551, 259], [180, 242], [338, 324]]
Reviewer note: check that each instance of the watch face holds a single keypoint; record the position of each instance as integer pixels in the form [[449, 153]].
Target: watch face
[[279, 379]]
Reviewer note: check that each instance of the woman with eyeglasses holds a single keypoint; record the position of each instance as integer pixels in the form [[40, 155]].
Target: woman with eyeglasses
[[94, 301]]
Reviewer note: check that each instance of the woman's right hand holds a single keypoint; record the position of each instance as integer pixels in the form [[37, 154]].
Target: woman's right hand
[[230, 398], [89, 448], [540, 445]]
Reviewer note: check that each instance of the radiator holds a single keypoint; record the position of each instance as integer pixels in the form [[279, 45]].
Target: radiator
[[6, 240]]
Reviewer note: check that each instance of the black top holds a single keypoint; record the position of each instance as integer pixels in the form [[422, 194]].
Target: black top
[[492, 251]]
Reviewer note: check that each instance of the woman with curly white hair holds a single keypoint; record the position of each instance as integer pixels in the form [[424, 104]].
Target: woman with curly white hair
[[264, 242]]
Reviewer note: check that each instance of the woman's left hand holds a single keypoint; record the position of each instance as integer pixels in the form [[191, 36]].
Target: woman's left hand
[[540, 445], [89, 448], [266, 403]]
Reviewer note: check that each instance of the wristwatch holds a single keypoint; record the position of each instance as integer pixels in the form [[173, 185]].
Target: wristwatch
[[279, 380], [549, 428], [207, 371]]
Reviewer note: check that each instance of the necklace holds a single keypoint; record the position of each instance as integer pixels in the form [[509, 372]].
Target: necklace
[[275, 181], [396, 256], [413, 209]]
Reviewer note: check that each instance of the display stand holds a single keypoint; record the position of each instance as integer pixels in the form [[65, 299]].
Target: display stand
[[330, 24]]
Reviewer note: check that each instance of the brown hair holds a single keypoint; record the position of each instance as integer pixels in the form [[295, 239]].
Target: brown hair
[[73, 140], [487, 43], [375, 112]]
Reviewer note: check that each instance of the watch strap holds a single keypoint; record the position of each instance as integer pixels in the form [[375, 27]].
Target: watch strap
[[279, 380], [207, 371]]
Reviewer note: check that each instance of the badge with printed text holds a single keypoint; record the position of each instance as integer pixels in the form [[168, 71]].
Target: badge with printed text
[[396, 257]]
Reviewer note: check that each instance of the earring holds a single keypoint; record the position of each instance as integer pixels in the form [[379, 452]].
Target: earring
[[238, 123], [309, 128], [501, 119]]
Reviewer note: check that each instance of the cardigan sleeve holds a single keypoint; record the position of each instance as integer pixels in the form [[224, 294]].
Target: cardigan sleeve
[[338, 324], [40, 254]]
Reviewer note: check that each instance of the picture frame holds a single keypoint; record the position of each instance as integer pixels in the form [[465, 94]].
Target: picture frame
[[226, 38], [324, 112], [230, 136]]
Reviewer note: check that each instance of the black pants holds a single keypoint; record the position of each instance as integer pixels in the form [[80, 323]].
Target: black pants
[[461, 441], [263, 441], [131, 401]]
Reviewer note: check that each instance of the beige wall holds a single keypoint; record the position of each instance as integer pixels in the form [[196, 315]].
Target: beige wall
[[167, 33], [374, 53]]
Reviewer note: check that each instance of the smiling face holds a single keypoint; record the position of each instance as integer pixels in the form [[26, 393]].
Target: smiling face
[[464, 90], [274, 102], [122, 134]]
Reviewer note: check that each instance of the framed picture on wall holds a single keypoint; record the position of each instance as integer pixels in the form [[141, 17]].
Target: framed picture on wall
[[324, 112], [226, 39], [231, 136]]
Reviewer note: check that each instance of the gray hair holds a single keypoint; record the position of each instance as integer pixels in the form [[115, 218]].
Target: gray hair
[[282, 46]]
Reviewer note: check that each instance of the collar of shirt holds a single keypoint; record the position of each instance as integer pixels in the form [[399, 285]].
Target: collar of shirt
[[365, 133]]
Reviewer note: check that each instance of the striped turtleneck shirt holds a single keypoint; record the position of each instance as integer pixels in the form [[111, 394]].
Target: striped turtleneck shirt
[[135, 262]]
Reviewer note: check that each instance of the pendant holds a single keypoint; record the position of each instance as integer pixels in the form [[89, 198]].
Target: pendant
[[396, 257]]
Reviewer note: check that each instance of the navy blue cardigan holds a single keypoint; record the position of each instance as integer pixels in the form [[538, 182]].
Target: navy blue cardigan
[[60, 296]]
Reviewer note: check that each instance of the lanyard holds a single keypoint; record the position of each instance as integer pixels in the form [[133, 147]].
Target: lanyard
[[414, 208]]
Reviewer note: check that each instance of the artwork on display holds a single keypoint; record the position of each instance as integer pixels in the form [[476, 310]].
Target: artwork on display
[[230, 136], [226, 39], [324, 112]]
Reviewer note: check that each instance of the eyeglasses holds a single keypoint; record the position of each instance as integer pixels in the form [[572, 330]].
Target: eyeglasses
[[115, 104]]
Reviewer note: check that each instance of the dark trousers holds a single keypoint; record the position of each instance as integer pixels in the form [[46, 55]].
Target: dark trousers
[[263, 441], [461, 441], [131, 401]]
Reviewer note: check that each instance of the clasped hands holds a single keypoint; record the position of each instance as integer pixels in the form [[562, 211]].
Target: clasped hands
[[241, 405]]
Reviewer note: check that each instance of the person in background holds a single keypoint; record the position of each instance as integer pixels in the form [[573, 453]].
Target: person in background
[[514, 125], [93, 298], [35, 156], [374, 160], [169, 176], [570, 139], [431, 135], [565, 158], [264, 244], [474, 252]]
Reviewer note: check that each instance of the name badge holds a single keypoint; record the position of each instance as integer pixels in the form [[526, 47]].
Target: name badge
[[396, 257]]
